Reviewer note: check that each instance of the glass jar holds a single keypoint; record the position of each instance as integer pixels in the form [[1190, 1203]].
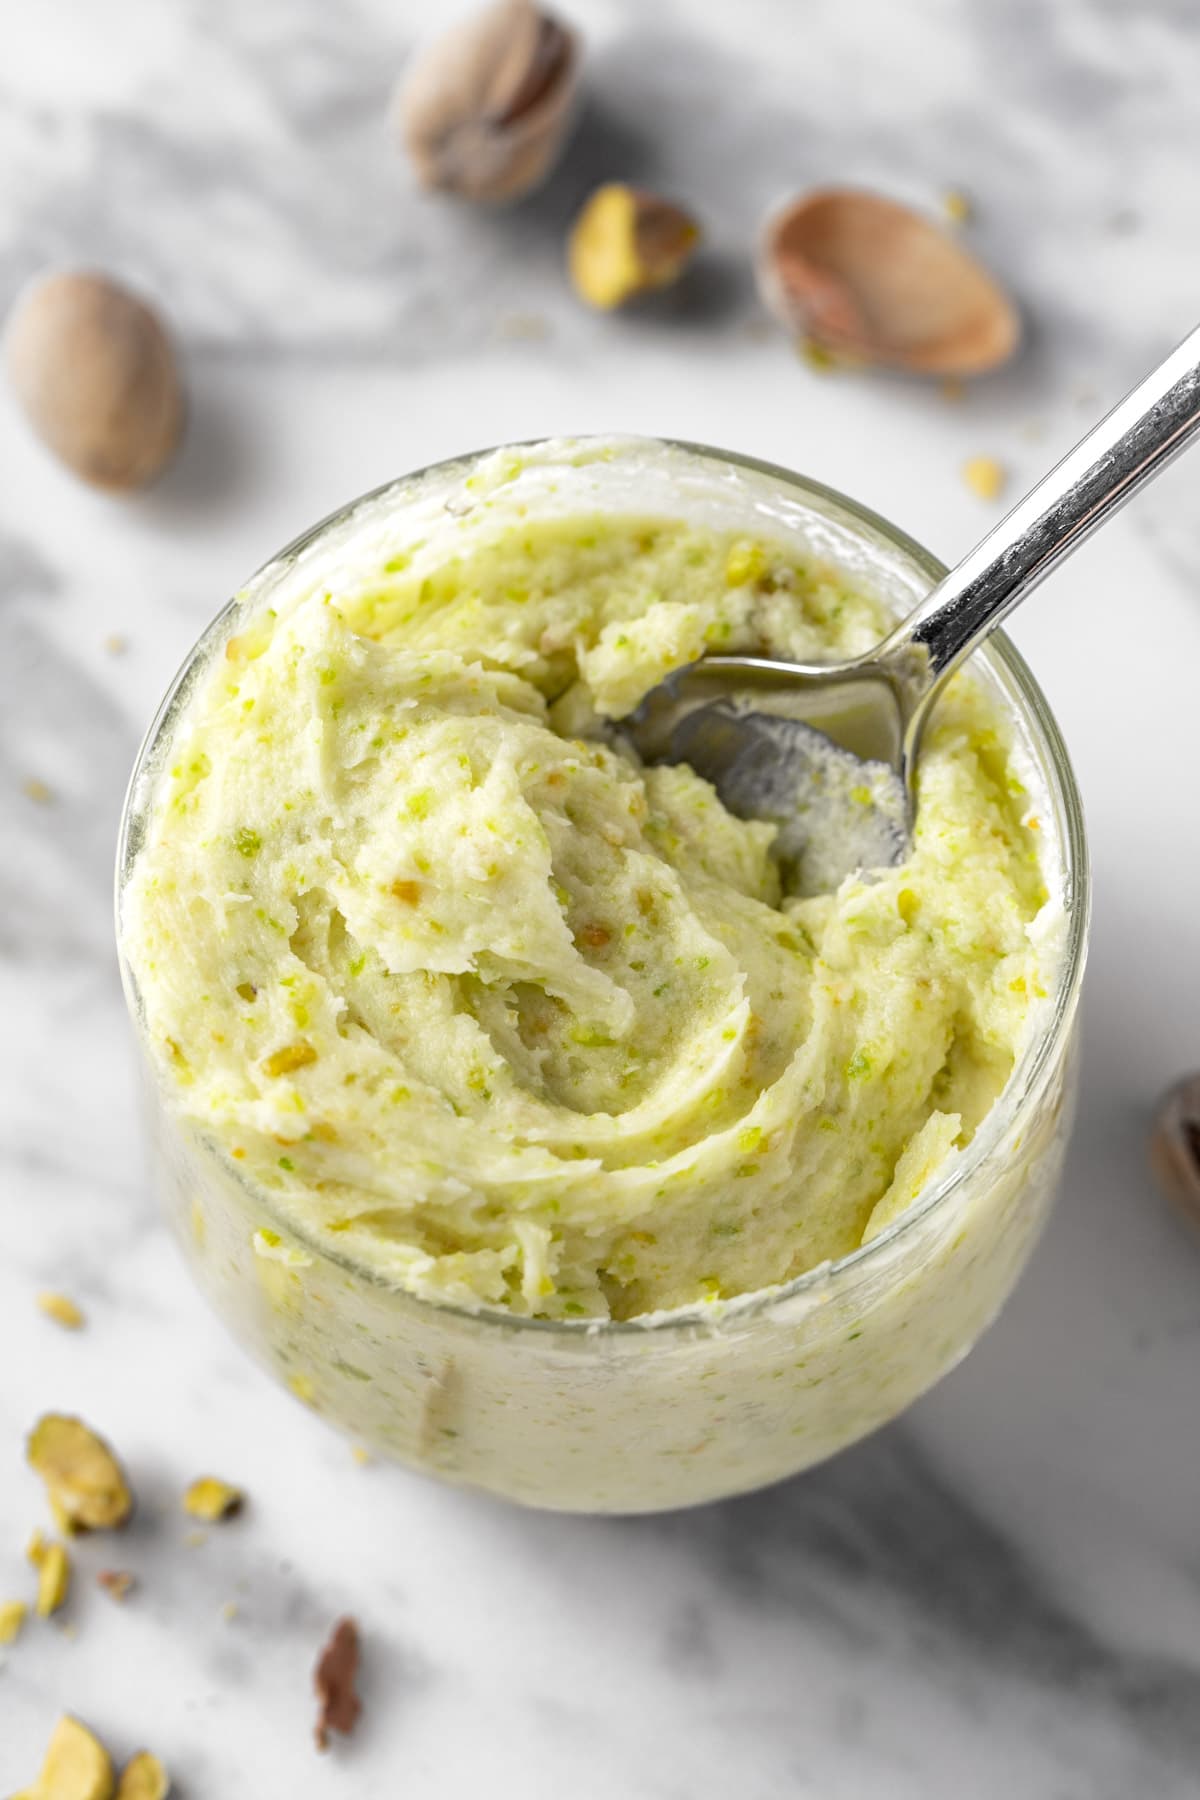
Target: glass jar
[[675, 1408]]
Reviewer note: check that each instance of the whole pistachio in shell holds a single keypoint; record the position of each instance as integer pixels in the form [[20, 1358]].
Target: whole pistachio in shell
[[94, 372], [485, 110], [868, 279], [1175, 1148]]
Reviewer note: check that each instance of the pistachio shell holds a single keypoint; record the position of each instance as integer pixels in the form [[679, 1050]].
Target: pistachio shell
[[870, 279], [484, 111]]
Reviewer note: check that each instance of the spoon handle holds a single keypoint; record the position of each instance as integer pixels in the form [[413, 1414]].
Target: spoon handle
[[1137, 439]]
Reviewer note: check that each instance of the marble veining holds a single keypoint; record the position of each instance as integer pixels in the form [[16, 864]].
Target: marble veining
[[1001, 1594]]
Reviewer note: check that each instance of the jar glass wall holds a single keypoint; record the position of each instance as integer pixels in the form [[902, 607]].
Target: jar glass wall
[[674, 1408]]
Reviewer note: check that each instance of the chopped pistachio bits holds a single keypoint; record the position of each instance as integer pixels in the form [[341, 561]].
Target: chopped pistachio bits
[[84, 1481], [53, 1567], [61, 1309], [13, 1614], [334, 1679], [513, 1022], [143, 1778], [76, 1766], [210, 1499]]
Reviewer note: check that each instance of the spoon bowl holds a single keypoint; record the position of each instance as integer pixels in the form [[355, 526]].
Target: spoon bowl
[[828, 752], [815, 750]]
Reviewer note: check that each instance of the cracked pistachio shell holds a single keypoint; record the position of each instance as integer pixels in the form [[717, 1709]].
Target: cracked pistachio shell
[[873, 281]]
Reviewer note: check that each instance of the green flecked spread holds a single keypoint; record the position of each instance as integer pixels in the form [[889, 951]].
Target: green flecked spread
[[514, 1022]]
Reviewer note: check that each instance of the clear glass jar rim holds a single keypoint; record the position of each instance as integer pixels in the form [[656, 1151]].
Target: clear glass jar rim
[[1024, 1086]]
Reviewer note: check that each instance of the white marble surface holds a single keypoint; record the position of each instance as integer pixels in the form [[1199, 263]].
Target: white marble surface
[[999, 1596]]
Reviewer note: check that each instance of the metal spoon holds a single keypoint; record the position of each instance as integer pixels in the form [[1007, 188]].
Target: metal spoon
[[829, 750]]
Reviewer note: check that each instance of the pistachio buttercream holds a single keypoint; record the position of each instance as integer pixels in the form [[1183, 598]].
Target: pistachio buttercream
[[490, 1009]]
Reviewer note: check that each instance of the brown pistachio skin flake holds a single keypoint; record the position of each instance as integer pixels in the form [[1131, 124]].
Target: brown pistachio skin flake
[[334, 1678], [117, 1582], [84, 1480], [143, 1778], [76, 1766], [1175, 1148]]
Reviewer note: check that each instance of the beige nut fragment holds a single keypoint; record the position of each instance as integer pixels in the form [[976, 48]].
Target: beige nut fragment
[[95, 374], [484, 111], [143, 1778], [863, 276], [85, 1482], [76, 1766], [1175, 1148], [627, 242], [210, 1499]]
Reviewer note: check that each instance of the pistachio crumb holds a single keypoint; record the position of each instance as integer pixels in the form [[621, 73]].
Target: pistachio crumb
[[53, 1567], [985, 476], [13, 1614], [62, 1309], [289, 1058], [211, 1499], [37, 790], [957, 206]]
